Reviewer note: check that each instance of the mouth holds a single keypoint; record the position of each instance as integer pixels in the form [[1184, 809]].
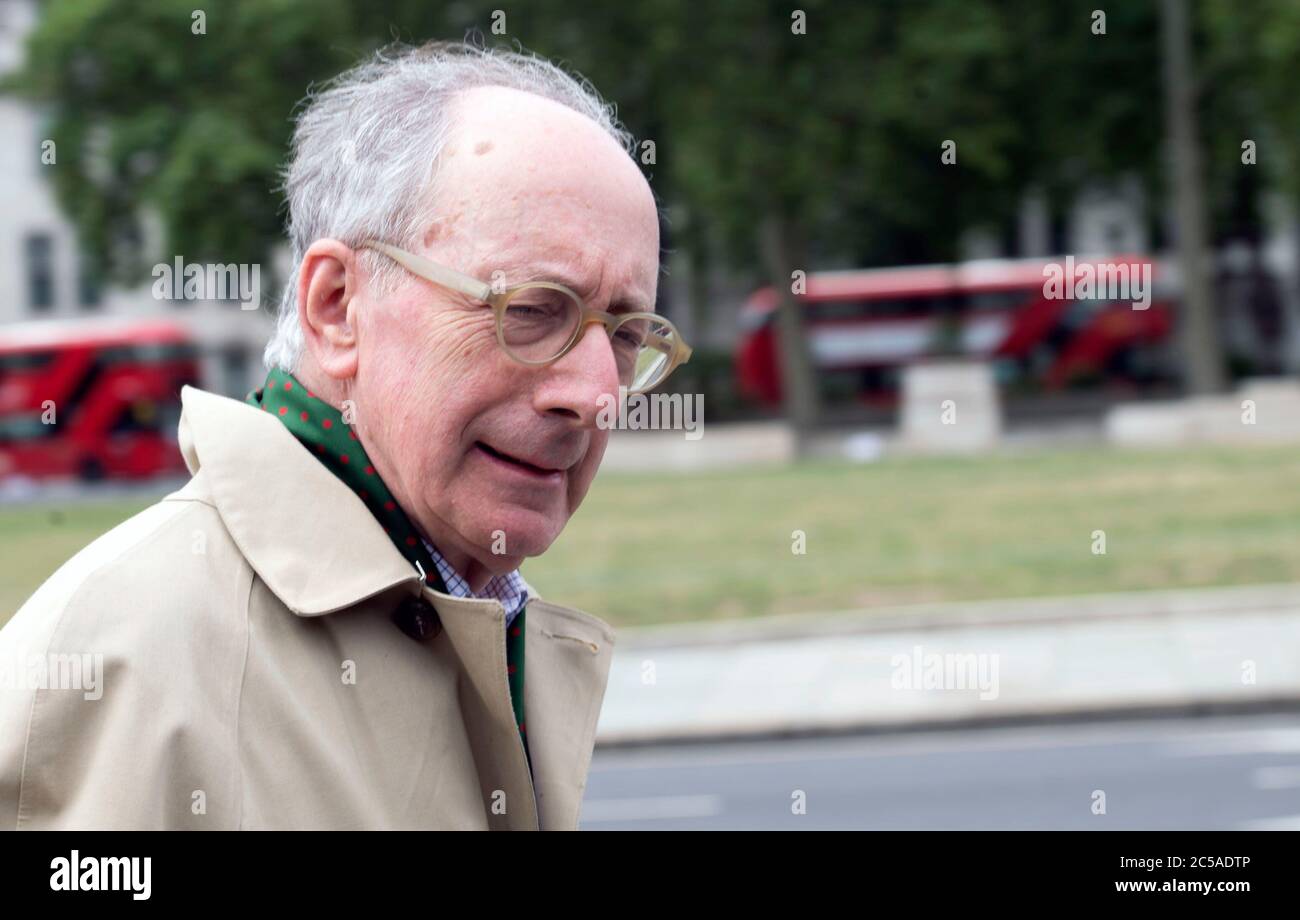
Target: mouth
[[517, 464]]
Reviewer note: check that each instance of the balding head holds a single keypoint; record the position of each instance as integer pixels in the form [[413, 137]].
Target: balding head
[[534, 190]]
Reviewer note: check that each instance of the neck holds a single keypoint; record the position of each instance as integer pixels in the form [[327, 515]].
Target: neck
[[325, 387], [476, 574]]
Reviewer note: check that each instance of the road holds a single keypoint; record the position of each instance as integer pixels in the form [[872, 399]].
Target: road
[[1239, 772]]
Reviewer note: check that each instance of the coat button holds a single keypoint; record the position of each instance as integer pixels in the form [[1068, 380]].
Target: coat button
[[417, 619]]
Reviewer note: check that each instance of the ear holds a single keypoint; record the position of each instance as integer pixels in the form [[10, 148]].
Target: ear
[[327, 283]]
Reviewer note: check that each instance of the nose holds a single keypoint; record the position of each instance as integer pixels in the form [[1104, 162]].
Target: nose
[[573, 387]]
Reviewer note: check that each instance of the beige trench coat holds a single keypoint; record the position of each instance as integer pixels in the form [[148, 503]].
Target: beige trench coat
[[252, 675]]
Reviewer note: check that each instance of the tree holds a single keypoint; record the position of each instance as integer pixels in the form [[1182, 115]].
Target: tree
[[1203, 356], [154, 111], [1250, 53]]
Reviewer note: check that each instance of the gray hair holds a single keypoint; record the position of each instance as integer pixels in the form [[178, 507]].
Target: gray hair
[[366, 146]]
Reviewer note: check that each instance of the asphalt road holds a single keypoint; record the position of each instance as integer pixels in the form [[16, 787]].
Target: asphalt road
[[1240, 772]]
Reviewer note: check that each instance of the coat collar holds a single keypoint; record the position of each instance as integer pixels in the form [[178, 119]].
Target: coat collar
[[318, 548], [294, 521]]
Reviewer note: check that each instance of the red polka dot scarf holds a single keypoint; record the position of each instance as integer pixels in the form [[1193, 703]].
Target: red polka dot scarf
[[321, 428]]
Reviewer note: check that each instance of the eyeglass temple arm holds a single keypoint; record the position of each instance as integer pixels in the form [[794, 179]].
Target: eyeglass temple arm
[[432, 271]]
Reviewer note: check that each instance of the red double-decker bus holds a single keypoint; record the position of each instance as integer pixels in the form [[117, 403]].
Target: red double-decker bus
[[92, 399], [865, 326]]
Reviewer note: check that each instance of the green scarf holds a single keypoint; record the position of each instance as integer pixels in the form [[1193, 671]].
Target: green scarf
[[321, 429]]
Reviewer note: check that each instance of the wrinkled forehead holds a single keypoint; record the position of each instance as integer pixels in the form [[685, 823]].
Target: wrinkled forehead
[[524, 177]]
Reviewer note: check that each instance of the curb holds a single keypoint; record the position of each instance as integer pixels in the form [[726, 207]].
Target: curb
[[1063, 716]]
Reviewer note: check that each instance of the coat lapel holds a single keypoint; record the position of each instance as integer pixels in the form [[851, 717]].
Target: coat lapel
[[568, 656], [475, 630]]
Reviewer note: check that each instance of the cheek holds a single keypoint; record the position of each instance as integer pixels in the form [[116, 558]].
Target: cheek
[[430, 383], [586, 472], [427, 337], [427, 357], [459, 340]]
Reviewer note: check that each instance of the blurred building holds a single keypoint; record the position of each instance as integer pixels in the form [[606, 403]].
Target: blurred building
[[42, 273]]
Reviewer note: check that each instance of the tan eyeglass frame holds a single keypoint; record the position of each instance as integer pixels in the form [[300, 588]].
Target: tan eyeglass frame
[[678, 351]]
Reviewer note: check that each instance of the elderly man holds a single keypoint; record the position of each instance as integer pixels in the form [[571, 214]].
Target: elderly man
[[326, 627]]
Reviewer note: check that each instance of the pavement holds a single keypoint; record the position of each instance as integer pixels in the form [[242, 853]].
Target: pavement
[[17, 491], [1219, 773], [957, 665]]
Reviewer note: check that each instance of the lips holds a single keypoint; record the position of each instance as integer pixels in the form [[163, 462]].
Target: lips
[[535, 467]]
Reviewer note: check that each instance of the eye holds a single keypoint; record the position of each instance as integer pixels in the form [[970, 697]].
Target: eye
[[631, 335], [536, 309], [539, 318]]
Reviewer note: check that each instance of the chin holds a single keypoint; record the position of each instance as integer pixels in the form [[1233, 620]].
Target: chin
[[527, 532]]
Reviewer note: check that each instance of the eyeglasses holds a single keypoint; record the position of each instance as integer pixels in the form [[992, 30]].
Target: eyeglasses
[[539, 322]]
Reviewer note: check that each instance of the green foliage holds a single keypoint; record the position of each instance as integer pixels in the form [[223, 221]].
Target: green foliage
[[1251, 59], [148, 116], [838, 130]]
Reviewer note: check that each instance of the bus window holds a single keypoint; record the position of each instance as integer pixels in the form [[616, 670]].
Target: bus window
[[24, 428], [994, 301], [22, 361], [137, 416], [888, 308]]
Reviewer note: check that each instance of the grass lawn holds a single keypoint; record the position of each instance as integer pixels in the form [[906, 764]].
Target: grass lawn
[[660, 548]]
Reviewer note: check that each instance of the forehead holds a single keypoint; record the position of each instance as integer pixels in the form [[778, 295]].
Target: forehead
[[526, 181]]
